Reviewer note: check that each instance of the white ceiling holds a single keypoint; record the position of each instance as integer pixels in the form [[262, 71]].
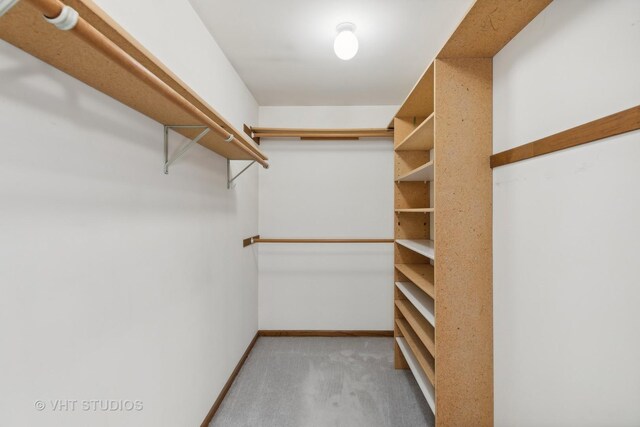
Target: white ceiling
[[283, 49]]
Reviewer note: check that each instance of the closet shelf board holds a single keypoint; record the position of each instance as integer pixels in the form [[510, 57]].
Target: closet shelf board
[[421, 378], [421, 301], [24, 27], [422, 246], [421, 139], [421, 275], [423, 329], [422, 173]]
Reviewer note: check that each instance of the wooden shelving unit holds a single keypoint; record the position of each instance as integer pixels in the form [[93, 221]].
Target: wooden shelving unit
[[443, 258], [91, 54]]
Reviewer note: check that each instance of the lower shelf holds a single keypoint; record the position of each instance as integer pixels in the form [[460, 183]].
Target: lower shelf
[[422, 246], [423, 382], [420, 300]]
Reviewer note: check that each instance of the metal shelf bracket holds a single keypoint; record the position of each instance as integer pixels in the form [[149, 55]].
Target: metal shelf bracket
[[182, 150], [230, 179]]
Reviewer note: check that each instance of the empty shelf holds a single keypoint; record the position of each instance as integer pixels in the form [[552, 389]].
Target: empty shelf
[[422, 246], [419, 299], [419, 102], [421, 275], [424, 358], [423, 173], [421, 378], [416, 210], [89, 64], [420, 139], [422, 328]]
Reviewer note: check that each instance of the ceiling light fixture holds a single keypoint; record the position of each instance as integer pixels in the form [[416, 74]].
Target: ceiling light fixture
[[346, 42]]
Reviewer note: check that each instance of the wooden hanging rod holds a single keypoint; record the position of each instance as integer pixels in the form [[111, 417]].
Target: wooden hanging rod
[[320, 134], [615, 124], [258, 239]]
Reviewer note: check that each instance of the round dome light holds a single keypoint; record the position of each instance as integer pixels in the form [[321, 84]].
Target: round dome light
[[346, 42]]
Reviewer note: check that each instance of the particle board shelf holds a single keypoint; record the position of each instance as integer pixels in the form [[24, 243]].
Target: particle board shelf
[[419, 102], [416, 210], [423, 329], [488, 26], [424, 358], [421, 275], [320, 134], [421, 139], [420, 300], [423, 247], [421, 378], [95, 64], [422, 173]]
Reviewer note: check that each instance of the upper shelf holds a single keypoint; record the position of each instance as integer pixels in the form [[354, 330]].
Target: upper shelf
[[421, 138], [489, 26], [24, 27], [423, 173], [419, 102], [486, 28], [320, 134]]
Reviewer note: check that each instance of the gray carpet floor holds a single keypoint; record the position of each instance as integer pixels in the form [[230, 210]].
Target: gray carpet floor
[[323, 382]]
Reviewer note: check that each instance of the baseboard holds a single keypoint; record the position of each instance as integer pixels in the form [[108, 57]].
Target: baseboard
[[282, 333], [319, 333], [227, 386]]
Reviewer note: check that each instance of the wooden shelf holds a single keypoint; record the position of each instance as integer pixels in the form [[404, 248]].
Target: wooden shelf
[[423, 329], [419, 102], [422, 246], [421, 378], [24, 27], [320, 134], [420, 300], [425, 359], [489, 26], [423, 173], [421, 275], [421, 139], [416, 210]]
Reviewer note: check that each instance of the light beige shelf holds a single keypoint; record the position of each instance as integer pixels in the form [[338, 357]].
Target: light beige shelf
[[423, 247], [421, 275], [423, 173], [420, 101], [423, 329], [421, 139], [24, 27], [416, 210], [424, 358], [420, 300], [423, 382]]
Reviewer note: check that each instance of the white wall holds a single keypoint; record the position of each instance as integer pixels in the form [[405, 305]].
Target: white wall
[[326, 189], [566, 225], [116, 281]]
